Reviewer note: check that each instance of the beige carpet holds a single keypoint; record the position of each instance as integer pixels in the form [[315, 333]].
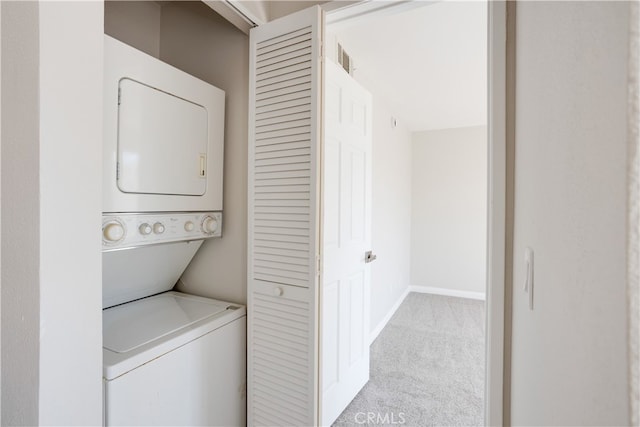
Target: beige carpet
[[427, 367]]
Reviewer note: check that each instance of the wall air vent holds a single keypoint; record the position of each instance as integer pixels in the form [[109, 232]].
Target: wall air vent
[[345, 60]]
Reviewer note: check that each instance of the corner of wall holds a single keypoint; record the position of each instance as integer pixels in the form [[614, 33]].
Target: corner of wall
[[218, 269], [633, 215], [70, 103], [20, 320], [0, 213]]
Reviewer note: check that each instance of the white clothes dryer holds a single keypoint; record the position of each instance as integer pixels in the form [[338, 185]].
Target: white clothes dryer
[[163, 146]]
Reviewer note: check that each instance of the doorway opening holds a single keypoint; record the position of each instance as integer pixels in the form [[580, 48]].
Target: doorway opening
[[426, 67]]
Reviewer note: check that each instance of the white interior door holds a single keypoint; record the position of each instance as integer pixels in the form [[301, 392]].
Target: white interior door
[[346, 238]]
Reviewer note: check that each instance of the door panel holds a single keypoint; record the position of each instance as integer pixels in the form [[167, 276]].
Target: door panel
[[162, 142], [331, 206], [283, 220], [357, 334], [346, 238], [356, 211], [331, 346]]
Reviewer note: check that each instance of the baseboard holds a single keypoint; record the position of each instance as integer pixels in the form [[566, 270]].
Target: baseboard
[[374, 334], [448, 292], [424, 290]]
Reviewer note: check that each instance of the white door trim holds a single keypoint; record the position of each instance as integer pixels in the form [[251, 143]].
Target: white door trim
[[497, 205], [496, 215], [497, 195], [633, 214]]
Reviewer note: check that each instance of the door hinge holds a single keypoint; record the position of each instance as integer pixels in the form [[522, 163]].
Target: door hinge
[[119, 95], [117, 171]]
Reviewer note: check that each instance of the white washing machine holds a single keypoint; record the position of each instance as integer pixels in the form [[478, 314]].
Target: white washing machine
[[168, 358], [174, 359]]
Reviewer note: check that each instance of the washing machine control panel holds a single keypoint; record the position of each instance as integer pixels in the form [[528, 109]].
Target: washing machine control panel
[[131, 230]]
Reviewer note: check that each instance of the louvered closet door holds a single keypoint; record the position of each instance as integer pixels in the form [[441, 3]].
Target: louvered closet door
[[283, 245]]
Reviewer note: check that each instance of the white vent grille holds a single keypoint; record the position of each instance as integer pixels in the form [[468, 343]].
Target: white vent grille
[[345, 60], [282, 160]]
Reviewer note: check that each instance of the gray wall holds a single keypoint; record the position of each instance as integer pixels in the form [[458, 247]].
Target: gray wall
[[200, 42], [20, 261], [569, 355], [136, 23]]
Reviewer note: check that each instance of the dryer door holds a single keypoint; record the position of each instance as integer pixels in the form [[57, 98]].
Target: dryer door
[[162, 142]]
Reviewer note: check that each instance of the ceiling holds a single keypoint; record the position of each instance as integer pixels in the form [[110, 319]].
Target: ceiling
[[429, 61]]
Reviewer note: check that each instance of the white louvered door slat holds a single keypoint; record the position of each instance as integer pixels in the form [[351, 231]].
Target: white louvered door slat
[[283, 220]]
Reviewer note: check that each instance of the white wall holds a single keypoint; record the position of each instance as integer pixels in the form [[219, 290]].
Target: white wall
[[51, 326], [200, 42], [391, 217], [71, 41], [391, 204], [569, 355], [449, 210], [259, 9]]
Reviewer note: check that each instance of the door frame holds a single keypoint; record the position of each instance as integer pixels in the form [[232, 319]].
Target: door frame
[[498, 303], [497, 233]]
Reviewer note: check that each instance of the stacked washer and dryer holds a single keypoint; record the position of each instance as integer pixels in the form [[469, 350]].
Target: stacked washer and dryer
[[169, 358]]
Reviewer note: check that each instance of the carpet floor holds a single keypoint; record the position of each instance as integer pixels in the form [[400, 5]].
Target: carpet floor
[[427, 367]]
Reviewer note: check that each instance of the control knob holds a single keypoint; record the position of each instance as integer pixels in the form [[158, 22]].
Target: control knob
[[209, 224], [113, 231], [158, 228], [145, 229]]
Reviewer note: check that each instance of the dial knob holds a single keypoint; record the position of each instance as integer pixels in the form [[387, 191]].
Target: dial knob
[[112, 231], [188, 226], [209, 224], [145, 229], [158, 228]]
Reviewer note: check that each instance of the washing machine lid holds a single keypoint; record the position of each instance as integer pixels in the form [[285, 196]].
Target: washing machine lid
[[129, 326]]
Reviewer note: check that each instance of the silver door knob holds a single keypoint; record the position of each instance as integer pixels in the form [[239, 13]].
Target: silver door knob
[[369, 256]]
